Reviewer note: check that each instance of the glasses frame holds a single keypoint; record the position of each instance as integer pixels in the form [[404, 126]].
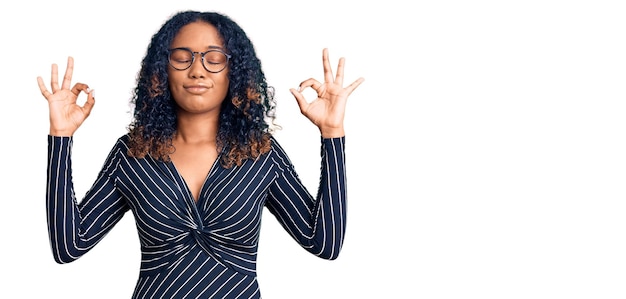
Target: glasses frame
[[193, 59]]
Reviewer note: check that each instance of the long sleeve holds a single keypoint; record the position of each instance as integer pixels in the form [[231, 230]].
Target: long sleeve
[[74, 228], [319, 223]]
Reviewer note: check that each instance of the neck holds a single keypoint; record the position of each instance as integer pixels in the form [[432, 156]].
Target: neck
[[195, 129]]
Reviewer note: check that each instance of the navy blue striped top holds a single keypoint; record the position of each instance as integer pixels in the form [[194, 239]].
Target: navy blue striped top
[[189, 249]]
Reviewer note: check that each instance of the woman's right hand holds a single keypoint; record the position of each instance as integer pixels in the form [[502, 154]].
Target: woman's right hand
[[65, 114]]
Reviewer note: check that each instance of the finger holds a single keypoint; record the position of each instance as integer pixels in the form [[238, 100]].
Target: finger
[[54, 78], [302, 103], [340, 66], [310, 83], [67, 78], [354, 85], [91, 101], [42, 88], [78, 87], [328, 72]]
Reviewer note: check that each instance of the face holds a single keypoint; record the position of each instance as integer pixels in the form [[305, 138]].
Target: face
[[195, 89]]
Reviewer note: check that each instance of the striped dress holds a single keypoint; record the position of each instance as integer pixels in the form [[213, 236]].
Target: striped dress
[[189, 249]]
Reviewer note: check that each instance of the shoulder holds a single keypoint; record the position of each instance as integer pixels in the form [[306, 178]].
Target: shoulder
[[277, 153], [121, 145], [124, 138], [123, 141], [276, 148]]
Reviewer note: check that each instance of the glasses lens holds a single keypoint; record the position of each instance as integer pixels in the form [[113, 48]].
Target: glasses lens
[[215, 61], [181, 59]]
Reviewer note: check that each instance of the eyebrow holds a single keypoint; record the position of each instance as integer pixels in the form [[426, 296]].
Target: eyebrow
[[210, 47]]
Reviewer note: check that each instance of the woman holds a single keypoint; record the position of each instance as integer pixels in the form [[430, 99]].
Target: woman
[[198, 164]]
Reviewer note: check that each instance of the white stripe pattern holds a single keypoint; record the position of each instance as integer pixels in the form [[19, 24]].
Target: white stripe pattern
[[204, 249]]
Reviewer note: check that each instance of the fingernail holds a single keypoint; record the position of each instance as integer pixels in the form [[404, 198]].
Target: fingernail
[[93, 93]]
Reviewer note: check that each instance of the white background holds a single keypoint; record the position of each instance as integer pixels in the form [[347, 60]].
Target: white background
[[486, 147]]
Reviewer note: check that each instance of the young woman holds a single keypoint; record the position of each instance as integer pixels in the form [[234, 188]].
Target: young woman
[[198, 164]]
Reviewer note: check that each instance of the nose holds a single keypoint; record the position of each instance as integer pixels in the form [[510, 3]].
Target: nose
[[196, 70]]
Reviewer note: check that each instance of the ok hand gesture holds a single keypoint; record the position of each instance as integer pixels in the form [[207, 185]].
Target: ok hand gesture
[[328, 110], [65, 114]]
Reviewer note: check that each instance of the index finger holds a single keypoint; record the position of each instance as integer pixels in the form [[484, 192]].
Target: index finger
[[67, 78]]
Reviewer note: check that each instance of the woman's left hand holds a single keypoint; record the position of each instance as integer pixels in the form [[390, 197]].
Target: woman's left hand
[[328, 110]]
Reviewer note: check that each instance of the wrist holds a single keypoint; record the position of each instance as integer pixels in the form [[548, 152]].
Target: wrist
[[61, 133], [332, 132]]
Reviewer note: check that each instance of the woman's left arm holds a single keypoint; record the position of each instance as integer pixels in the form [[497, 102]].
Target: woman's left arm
[[318, 223]]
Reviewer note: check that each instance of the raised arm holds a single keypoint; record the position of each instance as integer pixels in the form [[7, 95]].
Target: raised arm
[[318, 222], [73, 227]]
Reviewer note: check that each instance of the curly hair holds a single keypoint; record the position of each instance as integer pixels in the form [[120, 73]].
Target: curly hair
[[245, 115]]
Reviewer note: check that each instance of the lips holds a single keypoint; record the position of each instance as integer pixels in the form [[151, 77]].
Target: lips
[[196, 89]]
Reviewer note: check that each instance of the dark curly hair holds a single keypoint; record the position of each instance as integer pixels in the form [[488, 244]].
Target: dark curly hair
[[246, 113]]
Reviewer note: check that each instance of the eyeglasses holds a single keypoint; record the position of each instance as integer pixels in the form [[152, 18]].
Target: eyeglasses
[[214, 60]]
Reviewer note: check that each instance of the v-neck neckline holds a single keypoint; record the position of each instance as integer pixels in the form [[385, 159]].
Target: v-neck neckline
[[185, 187]]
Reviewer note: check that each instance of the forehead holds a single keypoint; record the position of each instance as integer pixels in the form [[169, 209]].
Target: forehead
[[199, 35]]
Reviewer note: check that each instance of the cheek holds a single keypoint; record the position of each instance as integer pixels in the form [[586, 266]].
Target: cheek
[[170, 78], [224, 83], [173, 80]]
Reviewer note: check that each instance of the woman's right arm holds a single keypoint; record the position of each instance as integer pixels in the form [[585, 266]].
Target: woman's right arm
[[75, 228]]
